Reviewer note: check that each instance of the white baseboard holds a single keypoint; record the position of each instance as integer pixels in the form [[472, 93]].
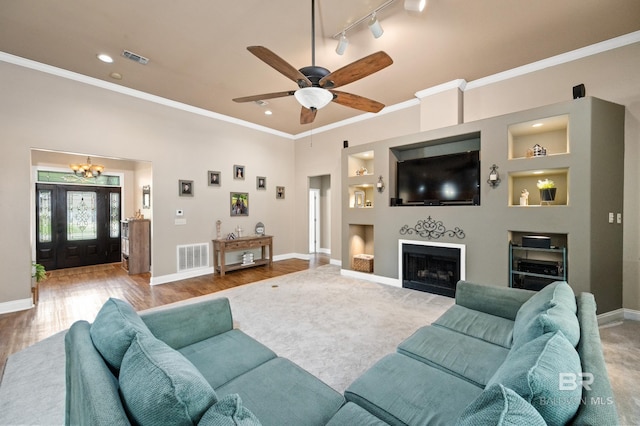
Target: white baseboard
[[394, 282], [336, 262], [618, 315], [165, 279], [16, 305]]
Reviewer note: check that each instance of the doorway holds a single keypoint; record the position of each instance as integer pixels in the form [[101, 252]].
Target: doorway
[[320, 214], [77, 225]]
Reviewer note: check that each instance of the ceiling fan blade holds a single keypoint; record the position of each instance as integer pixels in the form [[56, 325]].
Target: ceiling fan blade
[[356, 70], [255, 98], [307, 115], [356, 101], [280, 65]]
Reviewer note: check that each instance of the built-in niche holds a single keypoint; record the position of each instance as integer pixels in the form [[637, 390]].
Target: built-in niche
[[361, 247]]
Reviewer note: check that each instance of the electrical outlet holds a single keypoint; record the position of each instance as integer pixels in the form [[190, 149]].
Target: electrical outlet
[[610, 217]]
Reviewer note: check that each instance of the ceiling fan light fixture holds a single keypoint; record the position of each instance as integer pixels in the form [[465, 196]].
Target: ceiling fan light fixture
[[375, 27], [342, 44], [313, 97], [415, 5]]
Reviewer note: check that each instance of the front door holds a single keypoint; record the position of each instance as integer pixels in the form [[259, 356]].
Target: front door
[[77, 225]]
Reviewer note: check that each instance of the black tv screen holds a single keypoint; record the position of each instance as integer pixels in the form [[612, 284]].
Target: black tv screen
[[440, 180]]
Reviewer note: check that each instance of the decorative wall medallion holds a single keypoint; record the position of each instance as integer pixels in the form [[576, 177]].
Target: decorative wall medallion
[[432, 229]]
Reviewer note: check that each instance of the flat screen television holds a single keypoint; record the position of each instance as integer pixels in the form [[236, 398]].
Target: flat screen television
[[452, 179]]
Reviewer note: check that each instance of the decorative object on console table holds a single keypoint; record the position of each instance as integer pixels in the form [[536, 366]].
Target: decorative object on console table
[[259, 228], [547, 191], [221, 247]]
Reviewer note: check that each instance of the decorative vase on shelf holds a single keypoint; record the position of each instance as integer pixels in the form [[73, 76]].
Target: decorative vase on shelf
[[547, 195]]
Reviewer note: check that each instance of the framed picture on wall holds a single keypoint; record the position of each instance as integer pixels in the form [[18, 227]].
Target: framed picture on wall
[[261, 183], [214, 178], [280, 192], [239, 204], [185, 188], [238, 172]]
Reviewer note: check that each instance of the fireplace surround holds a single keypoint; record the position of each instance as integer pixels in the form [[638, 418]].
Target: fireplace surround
[[431, 266]]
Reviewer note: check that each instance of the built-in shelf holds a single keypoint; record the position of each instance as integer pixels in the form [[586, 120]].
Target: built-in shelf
[[532, 268], [527, 180], [361, 164], [550, 134], [360, 243]]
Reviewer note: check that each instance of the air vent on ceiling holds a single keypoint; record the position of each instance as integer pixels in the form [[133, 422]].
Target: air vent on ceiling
[[135, 57], [262, 103]]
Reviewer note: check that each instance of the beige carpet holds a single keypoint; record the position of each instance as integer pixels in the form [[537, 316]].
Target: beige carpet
[[333, 326]]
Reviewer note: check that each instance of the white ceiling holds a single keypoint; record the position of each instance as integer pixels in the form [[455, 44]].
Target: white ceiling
[[198, 56]]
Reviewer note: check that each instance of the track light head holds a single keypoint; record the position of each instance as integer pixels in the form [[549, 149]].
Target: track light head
[[342, 44], [414, 5], [375, 27]]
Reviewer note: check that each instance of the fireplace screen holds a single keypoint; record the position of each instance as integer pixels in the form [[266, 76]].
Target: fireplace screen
[[431, 268]]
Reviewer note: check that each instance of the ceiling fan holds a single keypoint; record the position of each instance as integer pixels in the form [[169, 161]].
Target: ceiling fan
[[316, 84]]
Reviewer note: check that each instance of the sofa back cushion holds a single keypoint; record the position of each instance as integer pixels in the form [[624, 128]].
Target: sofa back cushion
[[229, 411], [158, 384], [533, 371], [551, 309], [113, 330], [500, 406]]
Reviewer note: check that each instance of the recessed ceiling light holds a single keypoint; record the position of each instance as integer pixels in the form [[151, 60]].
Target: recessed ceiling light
[[105, 58], [268, 112], [538, 125], [116, 76], [538, 172]]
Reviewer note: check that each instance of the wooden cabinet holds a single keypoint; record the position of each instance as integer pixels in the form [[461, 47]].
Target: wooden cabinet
[[221, 247], [136, 254]]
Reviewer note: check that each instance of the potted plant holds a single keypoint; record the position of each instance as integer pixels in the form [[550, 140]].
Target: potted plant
[[38, 273], [547, 190]]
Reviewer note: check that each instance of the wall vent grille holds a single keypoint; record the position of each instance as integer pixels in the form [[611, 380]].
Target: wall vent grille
[[193, 256]]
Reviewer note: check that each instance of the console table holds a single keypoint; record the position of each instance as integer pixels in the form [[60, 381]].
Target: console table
[[221, 247]]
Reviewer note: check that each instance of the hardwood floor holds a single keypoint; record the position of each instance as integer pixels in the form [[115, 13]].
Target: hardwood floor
[[69, 295]]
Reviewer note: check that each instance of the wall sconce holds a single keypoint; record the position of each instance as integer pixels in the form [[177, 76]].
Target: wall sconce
[[146, 197], [494, 176], [380, 184]]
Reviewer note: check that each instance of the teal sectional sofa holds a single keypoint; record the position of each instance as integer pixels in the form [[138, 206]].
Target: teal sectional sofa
[[498, 356]]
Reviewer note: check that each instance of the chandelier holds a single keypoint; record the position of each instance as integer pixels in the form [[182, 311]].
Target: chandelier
[[87, 170]]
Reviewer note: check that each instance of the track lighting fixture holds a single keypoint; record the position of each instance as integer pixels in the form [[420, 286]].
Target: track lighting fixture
[[342, 44], [414, 5], [375, 27]]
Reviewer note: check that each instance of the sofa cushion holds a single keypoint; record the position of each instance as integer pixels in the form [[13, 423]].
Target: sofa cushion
[[211, 356], [229, 411], [279, 392], [351, 414], [533, 371], [553, 308], [467, 357], [500, 406], [490, 328], [403, 391], [115, 326], [158, 383]]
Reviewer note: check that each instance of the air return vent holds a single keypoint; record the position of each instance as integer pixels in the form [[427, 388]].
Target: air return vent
[[135, 57], [193, 256]]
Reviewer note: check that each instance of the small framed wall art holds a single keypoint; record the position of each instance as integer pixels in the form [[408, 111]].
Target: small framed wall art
[[280, 192], [213, 178], [239, 204], [185, 188], [238, 172], [261, 183]]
